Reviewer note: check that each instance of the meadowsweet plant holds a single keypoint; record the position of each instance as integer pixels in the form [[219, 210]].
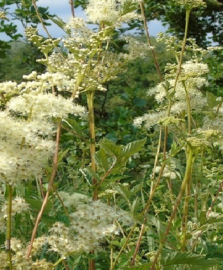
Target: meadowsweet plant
[[31, 118], [105, 219]]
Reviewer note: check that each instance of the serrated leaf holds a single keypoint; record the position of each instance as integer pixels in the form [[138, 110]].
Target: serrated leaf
[[101, 160], [124, 191], [62, 154], [136, 188], [132, 148], [177, 258], [86, 176], [111, 148], [36, 204], [116, 243], [58, 21], [90, 174], [74, 126], [140, 267], [115, 178], [125, 260]]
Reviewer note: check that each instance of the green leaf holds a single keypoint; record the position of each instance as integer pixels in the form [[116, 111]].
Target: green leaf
[[90, 174], [124, 191], [74, 126], [140, 267], [177, 258], [111, 148], [58, 21], [101, 160], [139, 102], [36, 204], [212, 100], [132, 148], [62, 154]]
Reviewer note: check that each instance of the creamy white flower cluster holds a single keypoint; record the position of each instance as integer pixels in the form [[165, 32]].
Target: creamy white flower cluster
[[112, 11], [188, 84], [44, 105], [133, 46], [19, 259], [23, 153], [92, 222], [9, 87], [88, 64], [169, 172], [19, 206], [26, 141]]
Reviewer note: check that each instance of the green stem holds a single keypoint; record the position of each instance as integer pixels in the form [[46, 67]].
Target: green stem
[[90, 102], [149, 41], [187, 178], [185, 215], [49, 189], [183, 47], [189, 116], [187, 197], [58, 262], [9, 226], [123, 247]]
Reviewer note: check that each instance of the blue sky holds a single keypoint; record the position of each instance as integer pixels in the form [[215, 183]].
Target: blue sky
[[62, 9]]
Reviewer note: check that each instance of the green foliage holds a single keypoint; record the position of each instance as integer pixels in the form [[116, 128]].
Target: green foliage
[[23, 12], [111, 160], [202, 21], [185, 258], [20, 60], [141, 267], [168, 187]]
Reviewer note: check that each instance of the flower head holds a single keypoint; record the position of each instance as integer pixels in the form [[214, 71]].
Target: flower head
[[111, 11]]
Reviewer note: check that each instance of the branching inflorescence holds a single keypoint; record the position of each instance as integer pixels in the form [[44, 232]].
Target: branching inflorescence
[[82, 63]]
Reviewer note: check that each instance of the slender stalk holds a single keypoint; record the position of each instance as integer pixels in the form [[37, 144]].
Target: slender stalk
[[9, 227], [185, 215], [62, 203], [146, 208], [189, 159], [91, 264], [187, 197], [123, 247], [183, 47], [215, 199], [187, 177], [111, 256], [169, 184], [138, 242], [40, 19], [71, 2], [45, 29], [153, 186], [40, 184], [208, 213], [90, 102], [145, 211], [148, 39], [157, 154], [50, 188], [189, 116], [58, 262]]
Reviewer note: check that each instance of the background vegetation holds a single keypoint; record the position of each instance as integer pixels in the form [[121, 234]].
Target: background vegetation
[[115, 110]]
